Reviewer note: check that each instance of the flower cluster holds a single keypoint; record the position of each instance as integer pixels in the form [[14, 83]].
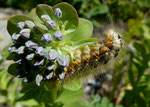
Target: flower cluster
[[28, 50]]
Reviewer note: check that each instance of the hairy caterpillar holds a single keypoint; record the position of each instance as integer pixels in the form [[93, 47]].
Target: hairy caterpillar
[[99, 53]]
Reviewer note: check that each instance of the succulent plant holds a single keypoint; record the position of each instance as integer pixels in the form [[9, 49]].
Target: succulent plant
[[57, 46]]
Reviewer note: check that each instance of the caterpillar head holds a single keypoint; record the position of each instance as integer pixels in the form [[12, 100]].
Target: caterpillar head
[[113, 40]]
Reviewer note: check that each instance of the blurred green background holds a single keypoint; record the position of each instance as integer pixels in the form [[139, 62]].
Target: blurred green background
[[130, 85]]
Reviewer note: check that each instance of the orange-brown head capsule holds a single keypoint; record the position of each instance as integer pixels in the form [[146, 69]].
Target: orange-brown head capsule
[[113, 40]]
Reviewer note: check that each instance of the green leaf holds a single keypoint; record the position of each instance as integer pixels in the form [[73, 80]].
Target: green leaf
[[95, 99], [5, 52], [12, 23], [105, 102], [32, 13], [12, 69], [68, 96], [69, 13], [30, 102], [86, 41], [73, 85], [140, 47], [146, 31], [84, 30], [39, 93], [4, 79], [11, 56], [101, 9], [14, 91], [37, 20], [43, 9]]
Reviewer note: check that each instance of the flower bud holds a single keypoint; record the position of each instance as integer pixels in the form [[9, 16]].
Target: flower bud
[[63, 60], [49, 76], [25, 32], [62, 75], [20, 50], [51, 24], [17, 75], [12, 49], [30, 56], [58, 13], [25, 80], [21, 25], [9, 49], [31, 45], [19, 61], [46, 38], [15, 36], [51, 67], [39, 78], [41, 51], [58, 35], [29, 24], [39, 63], [52, 55], [45, 18], [12, 44]]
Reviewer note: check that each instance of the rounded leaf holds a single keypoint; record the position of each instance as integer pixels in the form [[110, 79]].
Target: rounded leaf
[[43, 9], [12, 69], [87, 41], [13, 21], [68, 96], [73, 85], [69, 13], [84, 30]]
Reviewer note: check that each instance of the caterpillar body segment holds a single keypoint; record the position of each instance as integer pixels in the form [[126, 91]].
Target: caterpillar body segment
[[77, 56], [95, 50], [86, 54]]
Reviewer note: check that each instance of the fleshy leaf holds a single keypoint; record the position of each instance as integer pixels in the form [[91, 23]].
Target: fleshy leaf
[[30, 102], [13, 21], [86, 41], [47, 95], [69, 13], [84, 30], [68, 96], [13, 69], [43, 9], [17, 71], [32, 13], [5, 52], [10, 56], [73, 85]]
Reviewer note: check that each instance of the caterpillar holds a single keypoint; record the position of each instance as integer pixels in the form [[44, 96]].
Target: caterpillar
[[99, 53]]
